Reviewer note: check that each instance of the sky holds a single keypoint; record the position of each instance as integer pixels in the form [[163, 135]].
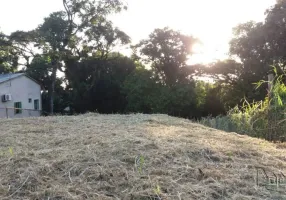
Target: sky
[[209, 20]]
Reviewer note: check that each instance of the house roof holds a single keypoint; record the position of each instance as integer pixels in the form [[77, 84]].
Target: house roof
[[7, 77]]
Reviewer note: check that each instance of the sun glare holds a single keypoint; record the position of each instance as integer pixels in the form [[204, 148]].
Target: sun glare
[[212, 24], [197, 48]]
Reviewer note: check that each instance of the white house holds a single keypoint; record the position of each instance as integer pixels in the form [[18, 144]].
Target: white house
[[20, 96]]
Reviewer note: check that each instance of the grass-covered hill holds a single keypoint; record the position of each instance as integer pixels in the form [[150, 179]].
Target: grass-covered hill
[[132, 157]]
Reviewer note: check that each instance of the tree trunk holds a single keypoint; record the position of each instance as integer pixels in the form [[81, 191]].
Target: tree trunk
[[54, 75]]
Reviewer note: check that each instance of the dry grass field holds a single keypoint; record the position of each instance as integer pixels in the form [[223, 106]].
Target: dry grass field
[[132, 157]]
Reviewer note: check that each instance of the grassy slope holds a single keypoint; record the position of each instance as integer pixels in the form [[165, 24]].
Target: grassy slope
[[93, 157]]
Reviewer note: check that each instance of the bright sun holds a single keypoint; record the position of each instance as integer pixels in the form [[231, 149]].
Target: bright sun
[[198, 48], [200, 54]]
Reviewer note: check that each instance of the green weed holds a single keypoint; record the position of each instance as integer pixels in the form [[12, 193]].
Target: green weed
[[157, 190], [262, 119], [140, 162]]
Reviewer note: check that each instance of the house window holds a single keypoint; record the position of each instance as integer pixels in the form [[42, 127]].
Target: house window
[[30, 100], [18, 107], [36, 104]]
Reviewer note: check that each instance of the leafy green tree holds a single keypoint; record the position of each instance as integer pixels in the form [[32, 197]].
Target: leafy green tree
[[167, 52], [52, 40], [40, 70], [274, 34], [259, 46], [141, 91], [10, 53], [97, 88], [72, 33], [146, 95], [251, 47], [8, 63], [234, 82], [22, 44]]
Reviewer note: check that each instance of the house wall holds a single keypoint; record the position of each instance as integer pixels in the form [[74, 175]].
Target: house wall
[[21, 88]]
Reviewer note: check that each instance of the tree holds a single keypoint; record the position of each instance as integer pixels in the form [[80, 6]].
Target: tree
[[22, 43], [141, 91], [40, 70], [145, 94], [97, 88], [275, 33], [167, 51], [72, 31], [13, 48], [251, 47], [233, 82], [167, 87], [52, 39], [8, 57], [259, 46]]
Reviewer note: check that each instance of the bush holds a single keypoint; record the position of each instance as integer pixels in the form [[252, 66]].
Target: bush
[[263, 119]]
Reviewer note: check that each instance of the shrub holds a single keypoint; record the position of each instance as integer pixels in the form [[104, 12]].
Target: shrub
[[263, 119]]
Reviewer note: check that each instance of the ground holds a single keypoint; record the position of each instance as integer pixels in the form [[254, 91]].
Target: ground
[[129, 157]]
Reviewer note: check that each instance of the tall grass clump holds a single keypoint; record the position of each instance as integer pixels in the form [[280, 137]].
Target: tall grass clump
[[263, 119], [249, 119]]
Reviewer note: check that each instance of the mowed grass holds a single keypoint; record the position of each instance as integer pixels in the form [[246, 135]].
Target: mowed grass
[[134, 157]]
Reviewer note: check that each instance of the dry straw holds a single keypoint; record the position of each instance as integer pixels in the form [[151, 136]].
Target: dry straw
[[130, 157]]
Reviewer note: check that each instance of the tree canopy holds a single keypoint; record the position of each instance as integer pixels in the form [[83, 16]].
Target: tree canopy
[[167, 51]]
